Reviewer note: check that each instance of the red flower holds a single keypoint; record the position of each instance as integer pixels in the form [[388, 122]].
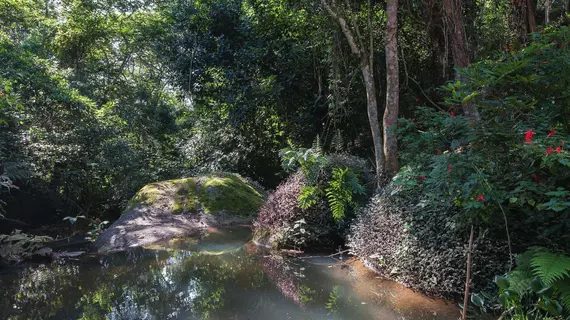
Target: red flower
[[423, 177], [471, 122], [535, 178], [549, 150], [438, 151], [480, 197], [528, 136], [558, 149], [417, 100], [449, 168], [451, 114], [554, 41], [452, 108], [551, 133]]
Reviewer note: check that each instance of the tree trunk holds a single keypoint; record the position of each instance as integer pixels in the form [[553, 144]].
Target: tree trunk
[[366, 60], [390, 120], [523, 19], [372, 107], [531, 16], [453, 11], [547, 12]]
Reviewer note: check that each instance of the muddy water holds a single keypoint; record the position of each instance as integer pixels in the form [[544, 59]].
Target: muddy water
[[219, 277]]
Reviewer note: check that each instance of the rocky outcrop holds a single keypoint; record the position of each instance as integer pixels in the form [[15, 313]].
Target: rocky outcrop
[[166, 210]]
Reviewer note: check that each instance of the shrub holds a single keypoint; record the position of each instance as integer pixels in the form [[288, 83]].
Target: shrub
[[509, 169], [299, 213], [420, 246]]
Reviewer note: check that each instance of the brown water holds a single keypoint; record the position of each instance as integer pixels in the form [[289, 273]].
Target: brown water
[[220, 277]]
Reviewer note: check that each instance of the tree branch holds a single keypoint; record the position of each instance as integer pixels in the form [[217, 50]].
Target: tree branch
[[344, 27]]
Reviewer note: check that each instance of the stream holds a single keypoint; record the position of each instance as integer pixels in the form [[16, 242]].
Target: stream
[[222, 276]]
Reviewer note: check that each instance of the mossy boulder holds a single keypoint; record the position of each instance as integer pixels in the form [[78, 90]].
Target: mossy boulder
[[221, 193], [179, 208]]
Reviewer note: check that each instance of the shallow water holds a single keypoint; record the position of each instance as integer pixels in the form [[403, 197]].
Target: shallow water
[[219, 277]]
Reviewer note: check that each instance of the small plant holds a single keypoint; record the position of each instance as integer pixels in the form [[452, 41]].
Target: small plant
[[97, 226], [73, 220], [539, 288]]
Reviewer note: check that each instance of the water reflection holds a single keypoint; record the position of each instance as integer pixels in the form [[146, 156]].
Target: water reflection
[[208, 280]]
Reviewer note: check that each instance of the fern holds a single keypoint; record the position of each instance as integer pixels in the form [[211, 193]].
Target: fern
[[337, 143], [317, 148], [550, 267], [308, 197], [540, 276], [519, 281], [311, 161], [343, 185]]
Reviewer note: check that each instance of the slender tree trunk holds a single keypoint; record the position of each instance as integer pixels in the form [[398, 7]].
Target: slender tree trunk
[[390, 120], [372, 107], [366, 60], [547, 12], [468, 276], [453, 10]]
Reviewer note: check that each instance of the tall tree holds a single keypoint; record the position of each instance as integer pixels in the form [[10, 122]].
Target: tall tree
[[392, 89], [523, 18], [453, 12], [366, 59]]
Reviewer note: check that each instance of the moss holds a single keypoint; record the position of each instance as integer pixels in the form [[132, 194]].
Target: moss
[[228, 193]]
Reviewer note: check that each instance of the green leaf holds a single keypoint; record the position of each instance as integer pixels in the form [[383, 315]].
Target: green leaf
[[477, 300], [469, 97], [502, 282], [536, 285]]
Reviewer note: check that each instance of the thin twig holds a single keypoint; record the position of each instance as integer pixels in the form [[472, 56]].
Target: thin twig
[[329, 256], [508, 238], [468, 277], [425, 95]]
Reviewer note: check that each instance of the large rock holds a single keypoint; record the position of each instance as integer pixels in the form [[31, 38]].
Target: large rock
[[165, 210]]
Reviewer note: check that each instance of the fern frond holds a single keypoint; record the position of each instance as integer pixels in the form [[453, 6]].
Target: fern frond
[[317, 148], [550, 267], [519, 281], [337, 142]]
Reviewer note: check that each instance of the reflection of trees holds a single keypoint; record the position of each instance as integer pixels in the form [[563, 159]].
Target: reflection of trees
[[143, 284], [135, 285], [285, 275]]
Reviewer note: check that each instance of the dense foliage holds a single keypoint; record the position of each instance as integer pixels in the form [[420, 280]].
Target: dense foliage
[[507, 174], [101, 97]]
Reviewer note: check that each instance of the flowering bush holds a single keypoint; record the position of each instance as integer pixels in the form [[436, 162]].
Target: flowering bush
[[508, 173], [514, 160]]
